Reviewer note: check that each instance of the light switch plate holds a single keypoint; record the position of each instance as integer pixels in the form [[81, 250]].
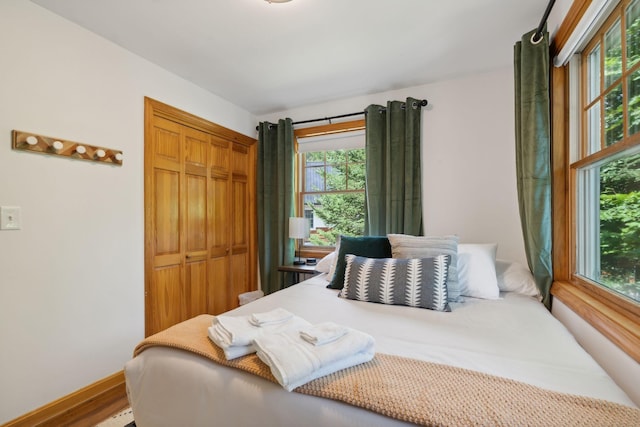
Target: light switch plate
[[9, 218]]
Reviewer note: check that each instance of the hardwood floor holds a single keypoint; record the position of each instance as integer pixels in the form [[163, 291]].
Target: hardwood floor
[[122, 418], [103, 413]]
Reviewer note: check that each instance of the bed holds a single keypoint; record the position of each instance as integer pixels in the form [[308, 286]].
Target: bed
[[511, 337]]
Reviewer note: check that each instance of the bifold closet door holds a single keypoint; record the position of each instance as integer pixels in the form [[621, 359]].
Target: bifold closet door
[[166, 302], [220, 251], [196, 214], [200, 225], [240, 260], [180, 279]]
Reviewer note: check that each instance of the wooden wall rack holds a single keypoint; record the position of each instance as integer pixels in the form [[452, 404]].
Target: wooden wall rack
[[29, 141]]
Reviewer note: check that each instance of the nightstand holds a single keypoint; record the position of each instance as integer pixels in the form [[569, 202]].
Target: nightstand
[[306, 270]]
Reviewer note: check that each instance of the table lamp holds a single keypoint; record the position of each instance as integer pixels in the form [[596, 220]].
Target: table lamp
[[298, 229]]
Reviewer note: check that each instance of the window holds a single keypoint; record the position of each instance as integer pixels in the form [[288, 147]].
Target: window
[[330, 181], [333, 194], [607, 166], [587, 142]]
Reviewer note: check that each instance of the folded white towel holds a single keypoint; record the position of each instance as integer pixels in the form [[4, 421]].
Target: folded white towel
[[323, 333], [235, 334], [294, 361], [230, 351], [274, 316], [241, 330]]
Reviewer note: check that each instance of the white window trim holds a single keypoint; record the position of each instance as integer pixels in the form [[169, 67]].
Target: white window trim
[[588, 222], [575, 108]]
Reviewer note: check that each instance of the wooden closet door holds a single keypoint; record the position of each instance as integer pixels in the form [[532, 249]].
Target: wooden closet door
[[195, 205], [166, 301], [219, 273], [240, 267], [200, 227]]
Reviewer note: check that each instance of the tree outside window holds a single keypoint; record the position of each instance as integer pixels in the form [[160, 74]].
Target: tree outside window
[[620, 225], [609, 240], [333, 194]]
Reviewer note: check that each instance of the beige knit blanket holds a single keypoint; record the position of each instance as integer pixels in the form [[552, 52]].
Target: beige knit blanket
[[421, 392]]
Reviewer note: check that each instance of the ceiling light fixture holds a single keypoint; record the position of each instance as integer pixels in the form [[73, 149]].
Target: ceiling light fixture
[[277, 1]]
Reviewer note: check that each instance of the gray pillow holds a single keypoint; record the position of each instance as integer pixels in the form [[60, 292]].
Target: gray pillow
[[405, 246], [412, 282]]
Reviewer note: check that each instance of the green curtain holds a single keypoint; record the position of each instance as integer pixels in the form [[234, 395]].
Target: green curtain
[[533, 156], [393, 173], [275, 201]]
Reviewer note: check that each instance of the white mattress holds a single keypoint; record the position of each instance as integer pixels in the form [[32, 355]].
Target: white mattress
[[514, 337]]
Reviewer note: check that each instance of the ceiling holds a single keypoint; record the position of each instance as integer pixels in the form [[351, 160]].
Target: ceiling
[[269, 57]]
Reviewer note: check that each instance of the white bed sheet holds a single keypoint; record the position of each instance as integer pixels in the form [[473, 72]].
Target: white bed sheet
[[514, 337]]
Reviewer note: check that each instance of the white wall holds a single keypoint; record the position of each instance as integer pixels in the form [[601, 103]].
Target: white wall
[[72, 280], [557, 15], [469, 178]]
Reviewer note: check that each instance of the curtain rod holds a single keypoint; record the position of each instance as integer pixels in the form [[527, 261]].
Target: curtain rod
[[423, 103], [328, 118], [537, 36]]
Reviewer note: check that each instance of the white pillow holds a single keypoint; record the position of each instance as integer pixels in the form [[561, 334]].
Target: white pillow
[[515, 277], [477, 270], [334, 261], [324, 265]]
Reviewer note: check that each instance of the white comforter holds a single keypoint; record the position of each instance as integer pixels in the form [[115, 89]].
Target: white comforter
[[514, 337]]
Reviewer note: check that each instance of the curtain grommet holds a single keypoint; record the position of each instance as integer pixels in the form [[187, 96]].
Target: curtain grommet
[[533, 40]]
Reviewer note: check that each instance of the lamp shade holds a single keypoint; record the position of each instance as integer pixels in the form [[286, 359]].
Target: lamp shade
[[298, 228]]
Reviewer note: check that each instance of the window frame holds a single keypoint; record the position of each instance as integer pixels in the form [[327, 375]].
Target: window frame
[[307, 132], [615, 316]]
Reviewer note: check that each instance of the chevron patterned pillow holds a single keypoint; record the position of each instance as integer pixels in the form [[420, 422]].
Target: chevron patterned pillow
[[415, 282]]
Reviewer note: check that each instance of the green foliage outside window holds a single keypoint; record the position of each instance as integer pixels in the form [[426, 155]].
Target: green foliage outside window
[[620, 179], [339, 177], [620, 225]]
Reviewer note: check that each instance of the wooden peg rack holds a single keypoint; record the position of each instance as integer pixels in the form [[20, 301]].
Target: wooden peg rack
[[28, 141]]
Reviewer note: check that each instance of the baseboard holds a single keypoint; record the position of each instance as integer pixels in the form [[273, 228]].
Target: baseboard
[[86, 406]]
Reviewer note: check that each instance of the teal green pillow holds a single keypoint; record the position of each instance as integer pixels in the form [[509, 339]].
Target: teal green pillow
[[368, 246]]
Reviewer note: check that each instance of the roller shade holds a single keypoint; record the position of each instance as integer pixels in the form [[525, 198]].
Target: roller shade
[[592, 19], [336, 141]]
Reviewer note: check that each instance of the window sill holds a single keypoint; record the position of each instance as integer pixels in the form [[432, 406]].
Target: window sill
[[315, 252], [620, 323]]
